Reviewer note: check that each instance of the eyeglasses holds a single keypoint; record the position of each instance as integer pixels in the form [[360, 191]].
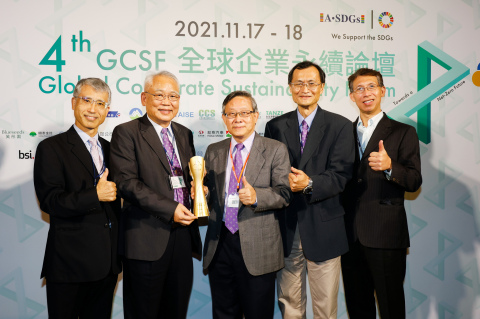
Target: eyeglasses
[[233, 115], [98, 103], [361, 89], [312, 86], [172, 97]]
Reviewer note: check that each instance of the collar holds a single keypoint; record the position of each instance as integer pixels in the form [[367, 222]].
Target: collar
[[372, 122], [85, 137], [158, 128], [309, 118], [248, 143]]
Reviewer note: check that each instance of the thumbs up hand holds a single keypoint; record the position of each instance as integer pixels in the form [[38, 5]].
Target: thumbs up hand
[[106, 191], [247, 194], [380, 161]]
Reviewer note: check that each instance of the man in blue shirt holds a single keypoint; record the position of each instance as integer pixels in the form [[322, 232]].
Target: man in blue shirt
[[387, 164]]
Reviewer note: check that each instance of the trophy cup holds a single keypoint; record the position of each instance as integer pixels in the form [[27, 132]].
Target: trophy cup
[[197, 171]]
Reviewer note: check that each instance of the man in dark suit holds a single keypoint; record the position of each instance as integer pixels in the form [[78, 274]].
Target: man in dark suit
[[387, 163], [70, 176], [247, 176], [150, 158], [320, 145]]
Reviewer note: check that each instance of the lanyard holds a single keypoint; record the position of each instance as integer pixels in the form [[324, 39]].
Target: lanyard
[[233, 167], [176, 171]]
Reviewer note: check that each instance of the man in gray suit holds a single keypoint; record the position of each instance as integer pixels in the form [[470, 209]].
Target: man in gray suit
[[247, 177]]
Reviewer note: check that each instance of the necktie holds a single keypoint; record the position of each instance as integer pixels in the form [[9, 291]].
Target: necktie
[[180, 194], [304, 135], [95, 155], [231, 213]]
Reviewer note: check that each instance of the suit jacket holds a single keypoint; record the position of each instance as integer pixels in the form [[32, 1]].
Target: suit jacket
[[81, 247], [327, 159], [375, 205], [141, 170], [267, 171]]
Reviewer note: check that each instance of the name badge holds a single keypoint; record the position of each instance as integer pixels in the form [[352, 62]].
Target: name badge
[[233, 200], [177, 182]]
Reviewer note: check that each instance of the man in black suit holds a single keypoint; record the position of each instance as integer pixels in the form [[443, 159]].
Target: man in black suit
[[387, 163], [70, 176], [320, 145], [150, 158]]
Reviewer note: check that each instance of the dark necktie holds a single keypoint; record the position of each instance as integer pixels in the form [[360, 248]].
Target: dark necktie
[[95, 155], [304, 135], [231, 213]]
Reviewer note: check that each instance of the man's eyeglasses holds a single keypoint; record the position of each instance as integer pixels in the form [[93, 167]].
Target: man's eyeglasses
[[233, 115], [98, 103], [312, 86], [172, 97], [361, 89]]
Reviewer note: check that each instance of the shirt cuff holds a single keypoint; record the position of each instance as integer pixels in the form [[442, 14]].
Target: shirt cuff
[[256, 203], [388, 173]]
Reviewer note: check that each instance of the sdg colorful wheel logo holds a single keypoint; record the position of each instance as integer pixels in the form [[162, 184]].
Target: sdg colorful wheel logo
[[387, 17], [476, 76]]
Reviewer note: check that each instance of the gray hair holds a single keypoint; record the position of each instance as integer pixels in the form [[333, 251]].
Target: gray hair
[[96, 83], [149, 78], [235, 94]]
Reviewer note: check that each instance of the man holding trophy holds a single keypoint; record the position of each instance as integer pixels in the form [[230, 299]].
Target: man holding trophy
[[247, 181], [149, 159]]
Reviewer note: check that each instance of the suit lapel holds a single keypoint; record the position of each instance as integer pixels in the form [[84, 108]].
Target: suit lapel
[[182, 145], [355, 135], [151, 137], [219, 162], [80, 150], [105, 150], [292, 137], [314, 137], [381, 132], [255, 161]]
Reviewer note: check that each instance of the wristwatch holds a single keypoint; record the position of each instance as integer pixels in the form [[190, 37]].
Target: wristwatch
[[309, 188]]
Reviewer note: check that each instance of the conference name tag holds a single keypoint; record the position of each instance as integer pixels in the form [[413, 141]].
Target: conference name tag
[[177, 182], [233, 200]]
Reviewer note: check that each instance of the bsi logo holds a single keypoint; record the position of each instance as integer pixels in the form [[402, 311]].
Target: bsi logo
[[26, 155]]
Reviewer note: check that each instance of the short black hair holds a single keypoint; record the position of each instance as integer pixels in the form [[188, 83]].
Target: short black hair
[[305, 65], [365, 72]]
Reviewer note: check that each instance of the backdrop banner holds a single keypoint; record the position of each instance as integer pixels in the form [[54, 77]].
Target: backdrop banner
[[428, 53]]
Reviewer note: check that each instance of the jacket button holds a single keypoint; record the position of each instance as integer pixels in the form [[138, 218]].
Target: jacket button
[[360, 180], [106, 225]]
